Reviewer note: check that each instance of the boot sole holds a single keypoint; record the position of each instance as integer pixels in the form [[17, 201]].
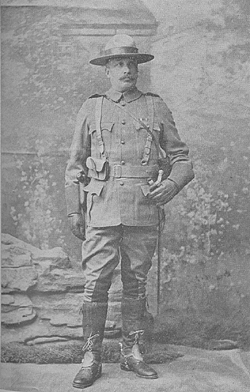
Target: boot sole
[[82, 386], [138, 375]]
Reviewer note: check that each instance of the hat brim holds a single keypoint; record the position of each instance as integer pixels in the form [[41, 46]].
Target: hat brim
[[139, 57]]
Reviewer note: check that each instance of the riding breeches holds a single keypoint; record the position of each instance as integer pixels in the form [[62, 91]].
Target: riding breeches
[[102, 251]]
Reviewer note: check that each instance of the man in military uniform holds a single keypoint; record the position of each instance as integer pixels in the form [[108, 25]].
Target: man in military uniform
[[122, 141]]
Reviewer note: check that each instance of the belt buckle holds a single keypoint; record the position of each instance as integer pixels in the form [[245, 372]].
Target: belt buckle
[[117, 171]]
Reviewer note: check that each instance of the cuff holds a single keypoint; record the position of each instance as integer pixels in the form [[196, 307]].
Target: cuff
[[182, 173]]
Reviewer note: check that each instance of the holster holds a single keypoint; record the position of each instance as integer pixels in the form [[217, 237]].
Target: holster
[[83, 198], [98, 168]]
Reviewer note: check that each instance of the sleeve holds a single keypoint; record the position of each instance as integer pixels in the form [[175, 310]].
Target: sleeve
[[79, 151], [182, 169]]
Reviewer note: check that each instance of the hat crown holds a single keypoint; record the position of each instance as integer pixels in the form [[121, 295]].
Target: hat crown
[[119, 41], [121, 45]]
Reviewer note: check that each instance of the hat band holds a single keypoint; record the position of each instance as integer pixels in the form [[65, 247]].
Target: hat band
[[120, 50]]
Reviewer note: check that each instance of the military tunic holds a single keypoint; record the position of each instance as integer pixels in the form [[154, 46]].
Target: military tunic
[[122, 198]]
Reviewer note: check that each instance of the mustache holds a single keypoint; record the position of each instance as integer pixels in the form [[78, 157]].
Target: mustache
[[127, 77]]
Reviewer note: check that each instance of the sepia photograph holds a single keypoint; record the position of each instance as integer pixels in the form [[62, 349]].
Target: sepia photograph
[[125, 194]]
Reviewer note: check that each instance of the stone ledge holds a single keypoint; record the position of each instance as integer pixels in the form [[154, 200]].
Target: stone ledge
[[18, 317]]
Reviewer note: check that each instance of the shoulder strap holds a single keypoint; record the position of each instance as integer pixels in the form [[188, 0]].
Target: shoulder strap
[[149, 129], [98, 118], [152, 94], [96, 96], [150, 137], [151, 112]]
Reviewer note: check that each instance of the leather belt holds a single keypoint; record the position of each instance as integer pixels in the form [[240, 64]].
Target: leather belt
[[129, 171]]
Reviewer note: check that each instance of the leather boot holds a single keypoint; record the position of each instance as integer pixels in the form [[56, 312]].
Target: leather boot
[[133, 311], [94, 318]]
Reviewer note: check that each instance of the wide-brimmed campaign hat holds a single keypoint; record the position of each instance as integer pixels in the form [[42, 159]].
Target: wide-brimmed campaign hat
[[121, 45]]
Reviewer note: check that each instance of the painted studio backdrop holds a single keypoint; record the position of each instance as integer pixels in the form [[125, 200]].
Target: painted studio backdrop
[[201, 70]]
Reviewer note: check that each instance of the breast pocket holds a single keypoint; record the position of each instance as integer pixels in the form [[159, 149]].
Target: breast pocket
[[105, 137]]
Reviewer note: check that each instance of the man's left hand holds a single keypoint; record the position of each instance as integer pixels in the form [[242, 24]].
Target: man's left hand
[[164, 192]]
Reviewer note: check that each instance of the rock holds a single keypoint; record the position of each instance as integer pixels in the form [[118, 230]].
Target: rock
[[18, 316], [52, 339], [55, 258], [38, 329], [7, 299], [58, 320], [58, 280], [70, 320], [18, 279], [64, 302], [15, 301], [49, 270], [52, 311], [222, 344], [17, 309], [74, 321], [15, 257], [60, 309], [8, 239]]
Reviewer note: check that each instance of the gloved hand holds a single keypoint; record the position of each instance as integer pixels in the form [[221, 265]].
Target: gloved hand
[[77, 225], [163, 192]]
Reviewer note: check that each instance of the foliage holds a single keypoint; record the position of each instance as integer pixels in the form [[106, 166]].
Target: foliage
[[49, 69], [205, 224], [33, 214]]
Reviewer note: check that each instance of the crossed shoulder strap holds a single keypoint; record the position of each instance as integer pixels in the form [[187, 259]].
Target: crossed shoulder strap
[[148, 145], [151, 111], [98, 118], [149, 129]]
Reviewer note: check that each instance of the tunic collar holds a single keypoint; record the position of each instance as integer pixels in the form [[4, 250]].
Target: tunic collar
[[129, 96]]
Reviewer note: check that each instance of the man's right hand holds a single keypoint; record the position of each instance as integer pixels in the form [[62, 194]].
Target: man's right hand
[[77, 225]]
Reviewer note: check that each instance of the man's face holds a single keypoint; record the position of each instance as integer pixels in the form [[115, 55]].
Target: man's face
[[122, 73]]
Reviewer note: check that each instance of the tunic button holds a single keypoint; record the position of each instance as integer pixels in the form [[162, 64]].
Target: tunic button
[[123, 103], [123, 122], [121, 183], [122, 162]]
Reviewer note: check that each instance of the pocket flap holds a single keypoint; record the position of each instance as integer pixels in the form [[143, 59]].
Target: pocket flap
[[94, 187], [105, 126], [96, 164]]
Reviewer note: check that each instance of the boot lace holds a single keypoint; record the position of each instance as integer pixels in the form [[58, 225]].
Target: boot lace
[[137, 335], [89, 343]]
